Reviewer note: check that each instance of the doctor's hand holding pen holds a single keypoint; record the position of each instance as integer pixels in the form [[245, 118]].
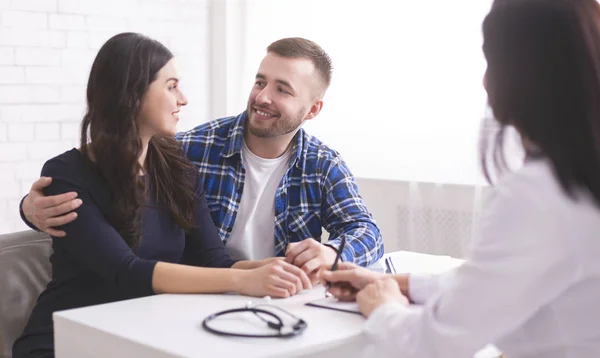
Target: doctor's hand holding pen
[[370, 289]]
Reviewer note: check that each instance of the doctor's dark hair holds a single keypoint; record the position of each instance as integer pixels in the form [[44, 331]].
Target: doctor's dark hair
[[543, 78]]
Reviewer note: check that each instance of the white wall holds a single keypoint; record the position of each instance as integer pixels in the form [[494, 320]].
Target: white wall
[[405, 103], [46, 50], [406, 98]]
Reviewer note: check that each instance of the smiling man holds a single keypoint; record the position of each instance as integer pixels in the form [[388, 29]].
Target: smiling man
[[270, 186]]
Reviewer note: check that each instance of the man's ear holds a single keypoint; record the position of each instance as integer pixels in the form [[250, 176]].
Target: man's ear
[[314, 109]]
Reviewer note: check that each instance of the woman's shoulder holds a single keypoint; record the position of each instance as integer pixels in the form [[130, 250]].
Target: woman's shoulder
[[76, 172], [65, 164], [74, 167], [534, 190], [534, 177]]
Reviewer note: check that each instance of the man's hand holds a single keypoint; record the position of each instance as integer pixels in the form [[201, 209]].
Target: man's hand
[[378, 293], [310, 255], [276, 279], [47, 212], [348, 279]]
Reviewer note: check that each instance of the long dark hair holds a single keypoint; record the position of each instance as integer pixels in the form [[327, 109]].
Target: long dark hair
[[121, 74], [543, 78]]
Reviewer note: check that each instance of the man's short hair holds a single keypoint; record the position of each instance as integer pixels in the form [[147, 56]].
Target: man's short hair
[[297, 47]]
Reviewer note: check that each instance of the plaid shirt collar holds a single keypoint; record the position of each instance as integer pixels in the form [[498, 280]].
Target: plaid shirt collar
[[236, 133]]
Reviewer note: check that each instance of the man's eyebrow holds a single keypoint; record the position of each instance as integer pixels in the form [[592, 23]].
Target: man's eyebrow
[[281, 82], [285, 83]]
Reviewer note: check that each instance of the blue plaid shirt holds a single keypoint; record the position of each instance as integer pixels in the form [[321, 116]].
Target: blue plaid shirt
[[317, 191]]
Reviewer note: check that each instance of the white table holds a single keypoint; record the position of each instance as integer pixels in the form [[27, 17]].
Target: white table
[[167, 325]]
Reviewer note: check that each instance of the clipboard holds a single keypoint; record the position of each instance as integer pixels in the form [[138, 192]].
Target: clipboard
[[332, 303], [402, 262]]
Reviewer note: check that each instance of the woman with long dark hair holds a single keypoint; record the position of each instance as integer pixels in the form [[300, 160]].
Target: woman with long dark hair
[[531, 280], [143, 226]]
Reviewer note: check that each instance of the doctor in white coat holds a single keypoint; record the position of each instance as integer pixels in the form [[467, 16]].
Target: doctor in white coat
[[531, 280]]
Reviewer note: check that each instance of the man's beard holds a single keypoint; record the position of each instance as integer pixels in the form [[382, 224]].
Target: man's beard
[[280, 126]]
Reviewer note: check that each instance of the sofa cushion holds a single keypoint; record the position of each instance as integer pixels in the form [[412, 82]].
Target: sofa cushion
[[24, 272]]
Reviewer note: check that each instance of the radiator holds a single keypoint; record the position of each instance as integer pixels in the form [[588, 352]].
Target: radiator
[[424, 217]]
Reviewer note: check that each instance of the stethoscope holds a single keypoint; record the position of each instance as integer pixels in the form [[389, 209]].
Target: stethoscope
[[283, 330]]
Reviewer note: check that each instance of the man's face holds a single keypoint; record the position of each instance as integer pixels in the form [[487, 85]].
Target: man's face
[[283, 96]]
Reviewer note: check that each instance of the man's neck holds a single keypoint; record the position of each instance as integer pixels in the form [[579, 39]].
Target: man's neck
[[268, 148]]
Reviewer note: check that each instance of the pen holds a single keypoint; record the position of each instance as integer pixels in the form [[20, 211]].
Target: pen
[[335, 262]]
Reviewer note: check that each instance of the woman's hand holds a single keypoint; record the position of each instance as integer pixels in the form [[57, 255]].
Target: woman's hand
[[378, 293], [276, 278], [348, 279], [249, 265]]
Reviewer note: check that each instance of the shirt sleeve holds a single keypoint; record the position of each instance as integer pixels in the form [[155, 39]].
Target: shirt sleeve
[[346, 215], [518, 263], [92, 240], [203, 245], [423, 287]]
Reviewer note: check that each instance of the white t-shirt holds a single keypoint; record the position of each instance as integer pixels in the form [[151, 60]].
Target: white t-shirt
[[253, 233], [530, 283]]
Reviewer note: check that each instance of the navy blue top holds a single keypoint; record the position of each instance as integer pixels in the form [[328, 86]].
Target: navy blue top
[[92, 264]]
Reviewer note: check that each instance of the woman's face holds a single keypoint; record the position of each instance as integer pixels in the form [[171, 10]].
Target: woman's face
[[160, 106]]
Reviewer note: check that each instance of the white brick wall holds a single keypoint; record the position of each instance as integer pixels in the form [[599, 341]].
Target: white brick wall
[[46, 50], [32, 56], [24, 19]]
